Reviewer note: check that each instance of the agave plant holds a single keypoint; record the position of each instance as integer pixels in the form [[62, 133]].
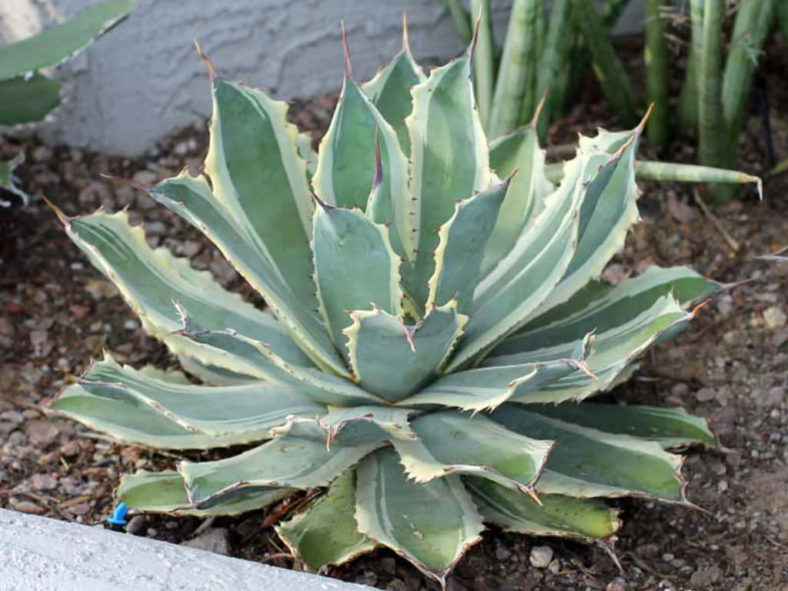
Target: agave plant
[[431, 329]]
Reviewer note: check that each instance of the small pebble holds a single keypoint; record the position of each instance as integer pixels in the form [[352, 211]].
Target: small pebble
[[541, 556], [214, 539], [774, 317], [28, 507], [135, 525]]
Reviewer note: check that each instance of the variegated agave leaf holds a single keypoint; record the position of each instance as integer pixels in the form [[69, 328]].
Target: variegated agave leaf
[[430, 328]]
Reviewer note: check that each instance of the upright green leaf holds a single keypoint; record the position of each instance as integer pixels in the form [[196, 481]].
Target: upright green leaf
[[346, 166], [259, 180], [390, 90], [430, 524], [355, 267], [392, 359], [711, 122], [688, 99], [461, 19], [657, 73], [554, 58], [483, 58], [517, 73], [52, 46], [608, 68], [326, 532], [753, 22], [253, 149], [450, 160]]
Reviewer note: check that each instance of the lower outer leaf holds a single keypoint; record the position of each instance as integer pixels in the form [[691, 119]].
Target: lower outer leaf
[[431, 525], [670, 427], [592, 463], [111, 409], [557, 515], [165, 492], [326, 533], [283, 462]]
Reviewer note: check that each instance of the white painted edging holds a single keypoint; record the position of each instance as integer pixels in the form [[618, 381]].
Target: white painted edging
[[41, 554]]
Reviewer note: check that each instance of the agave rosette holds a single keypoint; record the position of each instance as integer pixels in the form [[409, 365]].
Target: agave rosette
[[434, 318]]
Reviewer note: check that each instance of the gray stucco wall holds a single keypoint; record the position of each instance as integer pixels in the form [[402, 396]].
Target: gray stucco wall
[[144, 79]]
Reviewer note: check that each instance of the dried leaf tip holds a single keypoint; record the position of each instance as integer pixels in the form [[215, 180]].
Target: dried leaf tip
[[405, 34], [505, 182], [127, 182], [538, 112], [206, 60], [698, 308], [348, 69], [475, 37], [64, 219], [378, 162], [323, 205], [642, 125], [532, 493]]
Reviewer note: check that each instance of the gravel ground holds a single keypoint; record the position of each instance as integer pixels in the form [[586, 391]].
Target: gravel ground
[[56, 313]]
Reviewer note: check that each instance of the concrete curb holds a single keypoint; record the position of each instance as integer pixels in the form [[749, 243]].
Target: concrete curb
[[40, 554]]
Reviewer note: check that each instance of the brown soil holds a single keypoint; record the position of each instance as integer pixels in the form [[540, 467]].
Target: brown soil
[[57, 312]]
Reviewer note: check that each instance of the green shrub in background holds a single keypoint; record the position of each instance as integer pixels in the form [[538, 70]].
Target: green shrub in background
[[541, 53], [27, 95]]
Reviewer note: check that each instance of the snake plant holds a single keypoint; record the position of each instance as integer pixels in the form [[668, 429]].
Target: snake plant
[[435, 325]]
